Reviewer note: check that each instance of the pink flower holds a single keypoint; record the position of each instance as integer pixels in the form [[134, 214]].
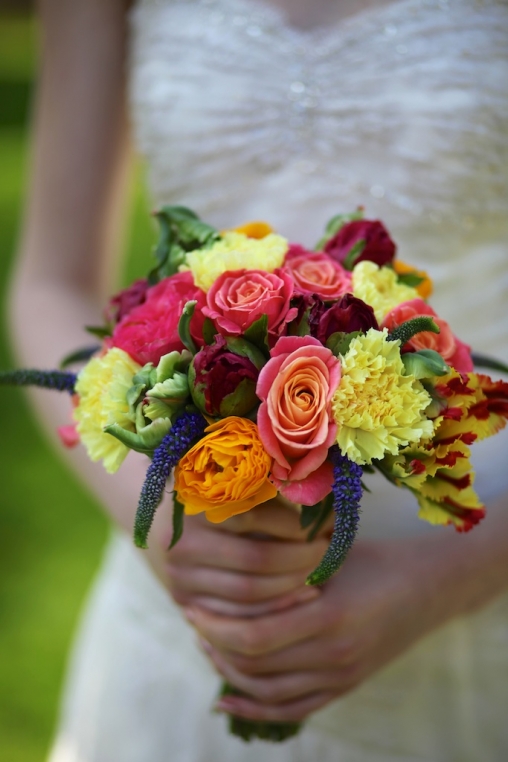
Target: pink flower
[[294, 420], [317, 273], [238, 298], [452, 350], [150, 330]]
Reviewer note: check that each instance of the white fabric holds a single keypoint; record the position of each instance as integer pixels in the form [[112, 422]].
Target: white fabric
[[404, 109]]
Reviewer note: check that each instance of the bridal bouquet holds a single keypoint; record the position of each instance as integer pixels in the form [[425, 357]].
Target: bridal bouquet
[[251, 367]]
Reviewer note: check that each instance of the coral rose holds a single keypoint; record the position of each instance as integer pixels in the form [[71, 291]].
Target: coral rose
[[151, 330], [294, 422], [452, 350], [226, 472], [317, 273], [238, 298], [378, 247]]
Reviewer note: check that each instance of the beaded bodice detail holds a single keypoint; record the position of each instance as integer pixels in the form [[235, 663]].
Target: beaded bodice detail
[[402, 108]]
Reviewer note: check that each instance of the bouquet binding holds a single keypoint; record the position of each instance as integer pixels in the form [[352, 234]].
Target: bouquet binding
[[252, 367]]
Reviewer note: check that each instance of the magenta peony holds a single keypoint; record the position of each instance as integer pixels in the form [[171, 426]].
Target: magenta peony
[[151, 330]]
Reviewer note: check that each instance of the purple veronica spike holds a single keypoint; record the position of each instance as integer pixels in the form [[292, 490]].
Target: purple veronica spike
[[60, 380], [347, 493], [185, 430]]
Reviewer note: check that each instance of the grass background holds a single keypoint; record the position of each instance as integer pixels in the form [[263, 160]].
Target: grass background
[[51, 531]]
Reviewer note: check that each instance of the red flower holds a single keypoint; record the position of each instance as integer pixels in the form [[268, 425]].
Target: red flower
[[378, 248], [122, 303]]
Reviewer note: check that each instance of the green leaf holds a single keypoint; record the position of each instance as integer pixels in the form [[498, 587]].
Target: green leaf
[[353, 254], [257, 334], [241, 401], [239, 346], [482, 361], [424, 364], [184, 326], [410, 279], [178, 514], [209, 331], [181, 231], [80, 355], [324, 513], [309, 514], [145, 439], [405, 331], [338, 343], [335, 224], [101, 331]]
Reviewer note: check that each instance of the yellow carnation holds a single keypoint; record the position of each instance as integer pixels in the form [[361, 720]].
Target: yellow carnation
[[378, 287], [102, 387], [377, 408], [236, 251]]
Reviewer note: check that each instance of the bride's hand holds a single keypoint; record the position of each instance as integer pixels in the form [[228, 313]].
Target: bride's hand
[[249, 565], [387, 596]]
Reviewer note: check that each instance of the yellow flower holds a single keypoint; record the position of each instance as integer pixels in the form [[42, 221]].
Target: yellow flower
[[377, 408], [235, 251], [226, 472], [255, 229], [378, 287], [102, 387]]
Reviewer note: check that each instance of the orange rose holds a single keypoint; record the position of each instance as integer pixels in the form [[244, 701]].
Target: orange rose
[[226, 472]]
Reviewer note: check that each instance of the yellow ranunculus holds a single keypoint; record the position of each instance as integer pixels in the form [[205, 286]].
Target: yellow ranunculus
[[102, 388], [377, 408], [235, 251], [226, 472], [378, 287]]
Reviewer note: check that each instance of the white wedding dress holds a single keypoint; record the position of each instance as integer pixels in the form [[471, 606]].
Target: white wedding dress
[[403, 109]]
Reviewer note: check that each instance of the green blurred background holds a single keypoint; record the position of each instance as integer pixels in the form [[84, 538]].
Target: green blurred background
[[51, 532]]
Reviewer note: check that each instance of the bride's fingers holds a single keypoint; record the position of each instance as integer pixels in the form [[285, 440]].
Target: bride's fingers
[[292, 711], [232, 586], [222, 550], [230, 608]]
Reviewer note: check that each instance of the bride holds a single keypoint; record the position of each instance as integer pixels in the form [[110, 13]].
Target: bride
[[289, 111]]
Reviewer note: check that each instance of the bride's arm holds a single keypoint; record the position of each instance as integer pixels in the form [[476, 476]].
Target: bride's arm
[[66, 266], [79, 177]]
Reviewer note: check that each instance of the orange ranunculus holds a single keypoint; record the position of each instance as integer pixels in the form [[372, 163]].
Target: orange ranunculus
[[425, 287], [226, 472], [255, 229]]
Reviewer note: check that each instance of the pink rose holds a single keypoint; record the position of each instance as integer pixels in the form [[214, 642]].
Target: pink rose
[[238, 298], [294, 419], [379, 247], [317, 273], [151, 330], [452, 350]]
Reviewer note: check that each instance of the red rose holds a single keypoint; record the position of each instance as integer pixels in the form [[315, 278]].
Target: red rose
[[151, 330], [348, 314], [378, 248]]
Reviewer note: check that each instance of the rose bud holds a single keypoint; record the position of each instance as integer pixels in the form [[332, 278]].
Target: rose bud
[[348, 314], [122, 303], [378, 247], [223, 376]]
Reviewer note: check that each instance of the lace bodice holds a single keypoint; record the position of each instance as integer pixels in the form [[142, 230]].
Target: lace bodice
[[402, 108]]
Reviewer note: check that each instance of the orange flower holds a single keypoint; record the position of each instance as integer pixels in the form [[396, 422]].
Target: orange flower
[[255, 229], [226, 472], [425, 287]]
